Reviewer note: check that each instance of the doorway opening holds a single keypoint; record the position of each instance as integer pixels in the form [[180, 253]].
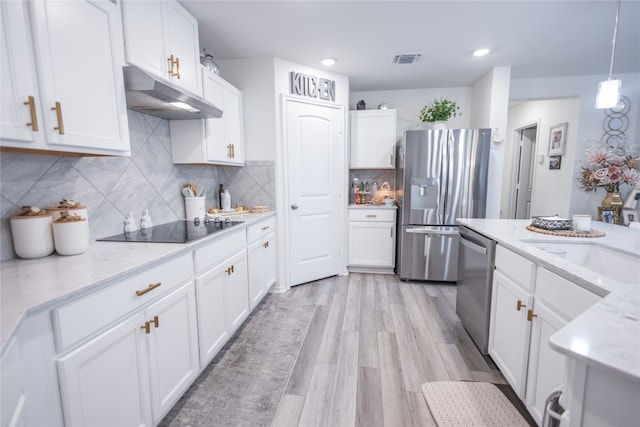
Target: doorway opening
[[523, 171]]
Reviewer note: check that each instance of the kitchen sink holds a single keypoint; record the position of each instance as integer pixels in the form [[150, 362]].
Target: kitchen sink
[[614, 264]]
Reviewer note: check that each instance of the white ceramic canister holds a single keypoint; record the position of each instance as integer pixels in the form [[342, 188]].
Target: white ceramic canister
[[71, 237], [194, 207], [32, 235]]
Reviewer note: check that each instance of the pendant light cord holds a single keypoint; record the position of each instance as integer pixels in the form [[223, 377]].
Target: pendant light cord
[[615, 33]]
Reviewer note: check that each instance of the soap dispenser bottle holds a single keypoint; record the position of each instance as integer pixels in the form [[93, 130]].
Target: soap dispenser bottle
[[226, 201]]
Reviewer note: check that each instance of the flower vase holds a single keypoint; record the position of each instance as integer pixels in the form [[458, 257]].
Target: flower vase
[[612, 200]]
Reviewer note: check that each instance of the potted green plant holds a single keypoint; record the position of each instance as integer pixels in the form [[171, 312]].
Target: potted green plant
[[440, 110]]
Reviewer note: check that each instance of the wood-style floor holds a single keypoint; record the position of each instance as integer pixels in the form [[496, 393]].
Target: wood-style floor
[[372, 342]]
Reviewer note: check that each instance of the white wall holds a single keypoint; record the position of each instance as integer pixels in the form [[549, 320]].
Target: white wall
[[490, 103], [551, 187], [409, 103], [589, 127]]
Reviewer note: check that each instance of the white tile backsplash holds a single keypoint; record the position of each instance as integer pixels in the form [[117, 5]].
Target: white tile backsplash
[[110, 187]]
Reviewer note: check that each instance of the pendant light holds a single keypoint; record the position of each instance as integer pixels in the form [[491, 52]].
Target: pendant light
[[609, 90]]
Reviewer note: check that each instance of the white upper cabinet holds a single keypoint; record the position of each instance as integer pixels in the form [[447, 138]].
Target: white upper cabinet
[[161, 37], [373, 139], [77, 48], [217, 141]]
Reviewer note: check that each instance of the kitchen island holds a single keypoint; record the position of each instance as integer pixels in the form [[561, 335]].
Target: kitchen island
[[603, 341]]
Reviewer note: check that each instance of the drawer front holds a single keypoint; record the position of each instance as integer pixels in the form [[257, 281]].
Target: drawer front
[[77, 320], [516, 267], [219, 249], [382, 215], [262, 228], [567, 298]]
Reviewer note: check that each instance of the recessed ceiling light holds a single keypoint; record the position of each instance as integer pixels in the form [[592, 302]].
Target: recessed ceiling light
[[481, 52], [327, 62]]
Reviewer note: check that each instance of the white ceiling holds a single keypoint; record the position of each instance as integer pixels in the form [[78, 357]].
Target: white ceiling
[[536, 38]]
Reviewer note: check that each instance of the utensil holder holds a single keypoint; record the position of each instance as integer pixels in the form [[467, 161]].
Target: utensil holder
[[32, 235], [194, 207], [71, 238]]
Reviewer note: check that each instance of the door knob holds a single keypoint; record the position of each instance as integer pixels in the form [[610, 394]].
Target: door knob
[[294, 206]]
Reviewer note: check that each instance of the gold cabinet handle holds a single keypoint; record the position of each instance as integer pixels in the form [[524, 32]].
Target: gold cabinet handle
[[520, 305], [530, 315], [178, 67], [32, 111], [58, 110], [265, 245], [146, 328], [149, 288], [229, 154], [172, 63], [156, 321], [266, 227], [228, 271]]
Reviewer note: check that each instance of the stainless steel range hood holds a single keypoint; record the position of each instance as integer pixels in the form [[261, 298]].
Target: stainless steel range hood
[[148, 94]]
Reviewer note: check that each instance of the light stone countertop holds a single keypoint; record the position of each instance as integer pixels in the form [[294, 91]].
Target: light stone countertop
[[29, 285], [608, 333]]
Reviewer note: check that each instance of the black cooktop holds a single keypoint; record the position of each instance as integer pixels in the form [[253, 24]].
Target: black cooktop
[[173, 232]]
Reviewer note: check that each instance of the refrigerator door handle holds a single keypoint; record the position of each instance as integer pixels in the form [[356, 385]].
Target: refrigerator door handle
[[472, 246]]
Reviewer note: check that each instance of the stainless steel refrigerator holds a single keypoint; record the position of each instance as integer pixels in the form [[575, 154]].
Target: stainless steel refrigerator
[[441, 175]]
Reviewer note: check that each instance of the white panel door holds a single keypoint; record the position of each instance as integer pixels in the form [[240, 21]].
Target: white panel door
[[313, 140], [546, 366], [213, 331], [80, 73], [106, 381], [509, 330], [173, 348], [18, 122]]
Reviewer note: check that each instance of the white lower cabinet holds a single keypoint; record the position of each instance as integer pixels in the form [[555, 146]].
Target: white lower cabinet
[[262, 259], [509, 333], [529, 304], [222, 292], [133, 373], [13, 398], [372, 237]]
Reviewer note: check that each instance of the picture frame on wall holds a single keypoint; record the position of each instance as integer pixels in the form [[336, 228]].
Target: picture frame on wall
[[557, 139], [554, 162]]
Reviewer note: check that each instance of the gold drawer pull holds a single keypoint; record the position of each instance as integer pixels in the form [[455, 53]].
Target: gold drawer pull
[[229, 271], [178, 67], [265, 245], [530, 315], [156, 321], [520, 305], [148, 288], [58, 110], [146, 328], [32, 111]]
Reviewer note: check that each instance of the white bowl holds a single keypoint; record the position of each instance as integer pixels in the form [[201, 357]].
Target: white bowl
[[389, 202]]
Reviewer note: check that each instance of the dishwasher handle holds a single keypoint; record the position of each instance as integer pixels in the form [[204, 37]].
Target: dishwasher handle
[[472, 246], [435, 232]]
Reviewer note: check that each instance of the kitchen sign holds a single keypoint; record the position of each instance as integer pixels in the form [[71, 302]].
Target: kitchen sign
[[313, 87]]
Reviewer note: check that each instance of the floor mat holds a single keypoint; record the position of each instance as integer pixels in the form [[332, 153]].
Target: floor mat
[[463, 403], [244, 383]]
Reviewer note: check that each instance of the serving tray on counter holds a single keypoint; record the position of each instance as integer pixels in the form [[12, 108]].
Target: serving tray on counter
[[566, 233]]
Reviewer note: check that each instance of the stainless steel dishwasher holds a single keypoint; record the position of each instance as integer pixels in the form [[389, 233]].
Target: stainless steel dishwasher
[[476, 257]]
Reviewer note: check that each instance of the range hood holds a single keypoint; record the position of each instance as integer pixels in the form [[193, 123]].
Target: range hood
[[148, 94]]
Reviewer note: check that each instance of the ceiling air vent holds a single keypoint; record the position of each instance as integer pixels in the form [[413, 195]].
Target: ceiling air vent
[[406, 59]]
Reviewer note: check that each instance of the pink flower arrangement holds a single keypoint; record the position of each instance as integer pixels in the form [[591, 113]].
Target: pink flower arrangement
[[608, 167]]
